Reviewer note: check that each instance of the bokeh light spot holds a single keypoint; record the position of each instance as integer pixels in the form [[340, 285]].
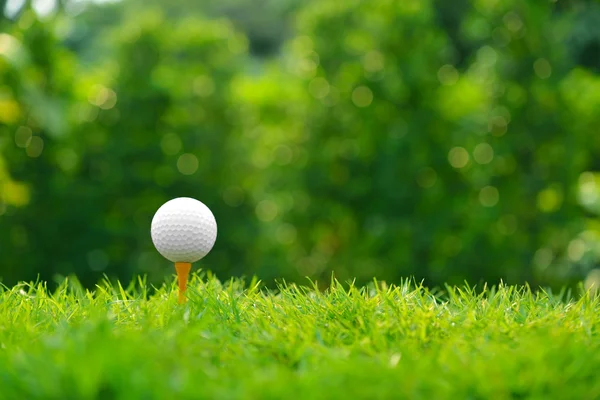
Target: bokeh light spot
[[35, 147], [487, 56], [9, 45], [306, 64], [373, 61], [542, 68], [362, 96], [550, 199], [458, 157], [592, 281], [489, 196], [87, 113], [109, 99], [543, 258], [187, 164], [203, 86], [503, 112], [448, 75], [10, 111], [262, 157], [512, 21], [23, 136], [332, 98], [171, 144], [483, 153], [12, 8], [318, 87], [302, 44], [67, 159], [497, 125], [589, 190], [576, 249], [267, 210], [102, 97], [44, 8], [14, 193]]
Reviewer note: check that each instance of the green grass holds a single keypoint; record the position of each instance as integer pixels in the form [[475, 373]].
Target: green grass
[[235, 341]]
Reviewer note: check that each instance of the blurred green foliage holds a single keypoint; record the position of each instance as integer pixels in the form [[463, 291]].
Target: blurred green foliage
[[448, 141]]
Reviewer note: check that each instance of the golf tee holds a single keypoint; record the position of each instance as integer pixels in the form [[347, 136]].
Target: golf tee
[[183, 271]]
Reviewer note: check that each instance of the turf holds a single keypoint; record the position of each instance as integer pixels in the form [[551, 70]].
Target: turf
[[236, 341]]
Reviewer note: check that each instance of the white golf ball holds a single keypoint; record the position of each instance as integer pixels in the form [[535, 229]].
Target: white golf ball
[[183, 230]]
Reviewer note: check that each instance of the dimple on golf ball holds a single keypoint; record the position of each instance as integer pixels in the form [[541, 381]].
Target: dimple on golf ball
[[183, 230]]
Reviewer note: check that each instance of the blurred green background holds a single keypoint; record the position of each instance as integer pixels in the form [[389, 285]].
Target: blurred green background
[[445, 140]]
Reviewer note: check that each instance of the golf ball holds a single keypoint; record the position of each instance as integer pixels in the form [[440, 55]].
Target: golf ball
[[183, 230]]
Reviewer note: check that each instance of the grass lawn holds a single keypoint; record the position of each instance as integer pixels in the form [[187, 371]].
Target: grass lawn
[[234, 341]]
